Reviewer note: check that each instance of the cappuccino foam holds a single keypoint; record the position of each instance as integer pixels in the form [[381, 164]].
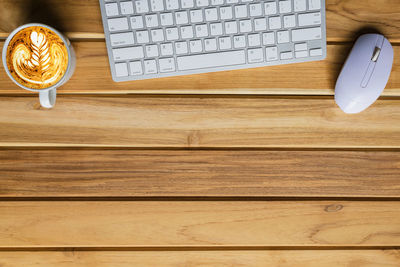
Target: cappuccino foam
[[37, 57]]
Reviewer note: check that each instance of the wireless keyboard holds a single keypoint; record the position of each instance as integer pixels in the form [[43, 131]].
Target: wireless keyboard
[[160, 38]]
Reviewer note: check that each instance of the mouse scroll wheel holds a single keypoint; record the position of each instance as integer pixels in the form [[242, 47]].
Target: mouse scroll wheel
[[376, 54]]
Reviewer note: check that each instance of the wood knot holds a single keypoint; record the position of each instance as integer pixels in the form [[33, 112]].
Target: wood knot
[[333, 208], [37, 106], [193, 139]]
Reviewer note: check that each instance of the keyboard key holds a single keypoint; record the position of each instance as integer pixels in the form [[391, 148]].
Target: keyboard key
[[241, 11], [314, 4], [128, 53], [172, 34], [300, 5], [171, 4], [270, 8], [255, 10], [201, 3], [254, 39], [196, 46], [286, 55], [211, 60], [245, 26], [283, 37], [121, 39], [285, 6], [210, 45], [167, 50], [268, 38], [126, 8], [142, 37], [136, 68], [255, 55], [166, 19], [181, 17], [301, 54], [310, 19], [137, 22], [119, 24], [187, 32], [151, 21], [156, 5], [239, 41], [275, 23], [201, 30], [316, 52], [121, 69], [181, 48], [300, 47], [226, 13], [225, 43], [260, 24], [289, 21], [157, 35], [187, 3], [167, 64], [196, 16], [300, 35], [151, 51], [142, 6], [112, 9], [150, 66], [211, 14], [216, 29], [217, 2], [271, 53], [231, 27]]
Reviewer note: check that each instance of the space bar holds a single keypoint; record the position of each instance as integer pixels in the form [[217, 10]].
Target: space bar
[[211, 60]]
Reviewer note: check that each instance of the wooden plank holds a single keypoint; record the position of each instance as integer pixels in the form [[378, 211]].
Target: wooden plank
[[194, 173], [289, 258], [199, 223], [345, 18], [181, 122], [92, 76]]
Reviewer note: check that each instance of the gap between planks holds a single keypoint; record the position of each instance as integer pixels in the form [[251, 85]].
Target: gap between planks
[[196, 248]]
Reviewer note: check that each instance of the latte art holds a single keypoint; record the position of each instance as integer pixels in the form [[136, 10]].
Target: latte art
[[37, 57]]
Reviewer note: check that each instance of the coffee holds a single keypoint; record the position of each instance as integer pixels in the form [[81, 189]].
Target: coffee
[[37, 57]]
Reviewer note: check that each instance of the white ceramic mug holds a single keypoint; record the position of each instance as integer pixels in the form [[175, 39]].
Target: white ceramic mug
[[47, 96]]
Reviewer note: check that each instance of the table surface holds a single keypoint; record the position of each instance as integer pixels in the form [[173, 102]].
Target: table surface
[[242, 168]]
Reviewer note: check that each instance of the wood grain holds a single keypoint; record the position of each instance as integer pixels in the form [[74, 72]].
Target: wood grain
[[346, 18], [182, 122], [199, 223], [241, 258], [92, 76], [144, 173]]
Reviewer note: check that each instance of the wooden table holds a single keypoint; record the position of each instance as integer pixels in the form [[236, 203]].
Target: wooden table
[[242, 168]]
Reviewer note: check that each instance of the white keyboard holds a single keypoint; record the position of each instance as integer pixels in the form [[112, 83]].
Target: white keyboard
[[160, 38]]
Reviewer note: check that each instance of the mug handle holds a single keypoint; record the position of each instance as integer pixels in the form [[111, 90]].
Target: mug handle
[[48, 98]]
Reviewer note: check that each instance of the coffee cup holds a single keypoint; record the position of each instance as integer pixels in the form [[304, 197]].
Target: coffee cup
[[41, 59]]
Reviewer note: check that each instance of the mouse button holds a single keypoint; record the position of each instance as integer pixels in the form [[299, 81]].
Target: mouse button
[[368, 74], [380, 41]]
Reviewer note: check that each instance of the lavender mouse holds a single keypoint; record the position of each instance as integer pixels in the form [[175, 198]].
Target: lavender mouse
[[365, 74]]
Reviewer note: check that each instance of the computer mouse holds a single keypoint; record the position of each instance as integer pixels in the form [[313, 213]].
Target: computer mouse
[[364, 74]]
